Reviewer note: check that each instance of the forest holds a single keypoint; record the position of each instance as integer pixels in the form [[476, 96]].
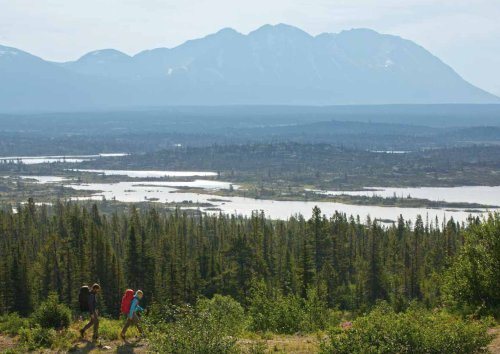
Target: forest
[[393, 127], [316, 271], [325, 166]]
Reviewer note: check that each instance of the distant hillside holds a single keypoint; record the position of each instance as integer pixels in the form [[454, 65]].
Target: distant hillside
[[273, 65]]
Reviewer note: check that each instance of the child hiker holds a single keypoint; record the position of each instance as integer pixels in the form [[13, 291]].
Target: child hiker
[[132, 317]]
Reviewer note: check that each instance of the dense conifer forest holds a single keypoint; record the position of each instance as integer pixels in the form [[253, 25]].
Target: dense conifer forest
[[417, 286], [177, 258]]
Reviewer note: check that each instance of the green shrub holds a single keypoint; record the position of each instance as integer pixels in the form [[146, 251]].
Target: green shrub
[[186, 330], [11, 324], [64, 340], [226, 311], [37, 337], [414, 331], [279, 314], [289, 314], [12, 351], [52, 314], [317, 314], [261, 309], [472, 283]]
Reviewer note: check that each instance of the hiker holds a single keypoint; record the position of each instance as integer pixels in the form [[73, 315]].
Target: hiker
[[132, 317], [94, 313]]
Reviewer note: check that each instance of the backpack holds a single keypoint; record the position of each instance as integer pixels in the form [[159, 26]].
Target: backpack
[[127, 298], [83, 298]]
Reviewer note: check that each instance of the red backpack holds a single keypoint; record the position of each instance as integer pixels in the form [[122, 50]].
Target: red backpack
[[127, 301]]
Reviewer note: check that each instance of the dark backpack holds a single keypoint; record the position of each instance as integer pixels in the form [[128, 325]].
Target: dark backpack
[[83, 298]]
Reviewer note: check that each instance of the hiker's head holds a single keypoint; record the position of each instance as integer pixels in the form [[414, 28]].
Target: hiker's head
[[139, 294], [96, 288]]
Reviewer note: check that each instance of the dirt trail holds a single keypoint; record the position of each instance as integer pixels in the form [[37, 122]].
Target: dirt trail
[[110, 347], [494, 346], [288, 344], [85, 346], [6, 343]]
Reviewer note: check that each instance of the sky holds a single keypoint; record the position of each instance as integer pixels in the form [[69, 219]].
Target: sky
[[463, 33]]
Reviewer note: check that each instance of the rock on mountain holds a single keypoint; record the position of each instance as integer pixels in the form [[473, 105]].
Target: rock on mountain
[[272, 65]]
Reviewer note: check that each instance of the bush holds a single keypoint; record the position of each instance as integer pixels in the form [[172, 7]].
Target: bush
[[472, 281], [415, 331], [225, 311], [64, 340], [12, 351], [317, 314], [11, 324], [279, 314], [289, 314], [52, 314], [37, 337], [187, 330]]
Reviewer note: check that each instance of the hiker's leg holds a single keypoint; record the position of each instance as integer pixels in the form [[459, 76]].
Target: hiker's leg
[[88, 325], [138, 323], [125, 327], [96, 327]]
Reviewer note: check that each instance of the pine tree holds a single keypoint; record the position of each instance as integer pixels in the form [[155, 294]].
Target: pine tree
[[132, 273]]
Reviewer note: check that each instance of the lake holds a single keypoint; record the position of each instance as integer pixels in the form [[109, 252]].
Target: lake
[[471, 194], [171, 192], [143, 191]]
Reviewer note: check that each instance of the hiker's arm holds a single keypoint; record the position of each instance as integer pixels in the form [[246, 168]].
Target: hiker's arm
[[139, 308], [92, 304]]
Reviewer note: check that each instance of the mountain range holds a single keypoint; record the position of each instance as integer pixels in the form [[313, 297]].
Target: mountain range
[[273, 65]]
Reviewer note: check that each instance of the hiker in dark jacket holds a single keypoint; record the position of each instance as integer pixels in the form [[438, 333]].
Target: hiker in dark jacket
[[132, 317], [94, 313]]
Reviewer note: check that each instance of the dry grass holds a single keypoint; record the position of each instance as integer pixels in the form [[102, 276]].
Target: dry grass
[[6, 342], [111, 347], [293, 344]]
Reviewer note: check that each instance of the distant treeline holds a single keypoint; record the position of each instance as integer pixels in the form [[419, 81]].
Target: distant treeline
[[176, 258], [402, 127], [325, 164]]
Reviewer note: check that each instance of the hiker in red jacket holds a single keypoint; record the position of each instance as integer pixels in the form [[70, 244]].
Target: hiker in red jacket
[[132, 317]]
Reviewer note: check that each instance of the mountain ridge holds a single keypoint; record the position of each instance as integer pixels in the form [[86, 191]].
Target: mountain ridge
[[274, 64]]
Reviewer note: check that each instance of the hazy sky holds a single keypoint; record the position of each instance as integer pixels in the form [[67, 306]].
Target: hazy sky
[[464, 33]]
